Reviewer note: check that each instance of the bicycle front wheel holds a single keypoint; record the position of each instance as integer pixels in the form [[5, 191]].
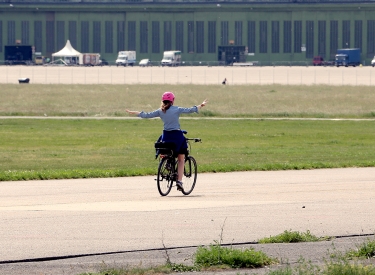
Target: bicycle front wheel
[[190, 175], [165, 177]]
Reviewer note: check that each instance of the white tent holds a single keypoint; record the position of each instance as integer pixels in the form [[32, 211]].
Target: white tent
[[68, 54]]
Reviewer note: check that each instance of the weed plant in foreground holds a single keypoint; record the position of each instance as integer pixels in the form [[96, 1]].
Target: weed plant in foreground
[[289, 236], [164, 269], [348, 268], [216, 255], [352, 262], [366, 250], [332, 268]]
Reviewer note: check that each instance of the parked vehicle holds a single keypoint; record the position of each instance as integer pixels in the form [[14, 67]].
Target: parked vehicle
[[145, 63], [373, 62], [103, 62], [39, 59], [126, 58], [348, 57], [18, 55], [329, 62], [318, 61], [89, 59], [171, 58]]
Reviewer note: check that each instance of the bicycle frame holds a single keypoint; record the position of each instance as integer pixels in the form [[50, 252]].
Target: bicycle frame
[[168, 167]]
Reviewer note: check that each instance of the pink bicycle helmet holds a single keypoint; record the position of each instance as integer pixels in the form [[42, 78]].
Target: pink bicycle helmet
[[168, 96]]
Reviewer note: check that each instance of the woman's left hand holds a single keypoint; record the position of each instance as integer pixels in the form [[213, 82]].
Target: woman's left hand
[[204, 102], [133, 112]]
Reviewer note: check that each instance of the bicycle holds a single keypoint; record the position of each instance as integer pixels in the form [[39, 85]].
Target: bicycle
[[167, 171]]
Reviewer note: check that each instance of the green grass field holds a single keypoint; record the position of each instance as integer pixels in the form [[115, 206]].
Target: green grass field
[[225, 101], [76, 148], [64, 148]]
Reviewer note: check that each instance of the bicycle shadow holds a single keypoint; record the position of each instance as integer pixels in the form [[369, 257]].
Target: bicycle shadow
[[184, 196]]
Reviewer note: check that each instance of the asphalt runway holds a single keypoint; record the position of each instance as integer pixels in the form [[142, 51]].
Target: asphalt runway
[[66, 218], [302, 75], [73, 226]]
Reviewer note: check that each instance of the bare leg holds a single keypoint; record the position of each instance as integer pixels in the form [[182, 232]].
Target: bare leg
[[181, 163]]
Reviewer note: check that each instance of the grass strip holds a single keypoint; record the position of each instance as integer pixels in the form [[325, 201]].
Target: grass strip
[[55, 149], [224, 100]]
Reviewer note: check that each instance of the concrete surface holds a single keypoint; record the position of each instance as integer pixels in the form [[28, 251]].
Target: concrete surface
[[287, 255], [51, 224], [190, 75]]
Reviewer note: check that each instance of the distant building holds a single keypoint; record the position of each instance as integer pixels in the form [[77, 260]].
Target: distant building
[[203, 30]]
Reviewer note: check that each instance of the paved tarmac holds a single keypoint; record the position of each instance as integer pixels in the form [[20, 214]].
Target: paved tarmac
[[72, 226], [285, 75]]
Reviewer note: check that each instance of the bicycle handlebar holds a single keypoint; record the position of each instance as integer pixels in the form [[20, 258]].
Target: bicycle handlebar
[[195, 139]]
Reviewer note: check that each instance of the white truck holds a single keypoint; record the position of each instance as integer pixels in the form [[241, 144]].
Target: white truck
[[171, 58], [126, 58]]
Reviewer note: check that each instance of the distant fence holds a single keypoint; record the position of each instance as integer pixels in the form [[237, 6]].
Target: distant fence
[[201, 63], [183, 1], [191, 63], [204, 74]]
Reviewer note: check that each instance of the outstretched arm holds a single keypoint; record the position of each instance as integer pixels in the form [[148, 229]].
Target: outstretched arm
[[145, 115], [133, 112]]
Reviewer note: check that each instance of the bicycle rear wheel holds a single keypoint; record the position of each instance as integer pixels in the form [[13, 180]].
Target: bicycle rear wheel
[[165, 176], [190, 175]]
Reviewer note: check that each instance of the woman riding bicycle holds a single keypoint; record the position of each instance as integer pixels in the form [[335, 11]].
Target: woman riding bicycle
[[170, 115]]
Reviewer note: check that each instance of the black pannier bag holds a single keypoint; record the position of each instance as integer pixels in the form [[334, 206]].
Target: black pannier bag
[[165, 148]]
